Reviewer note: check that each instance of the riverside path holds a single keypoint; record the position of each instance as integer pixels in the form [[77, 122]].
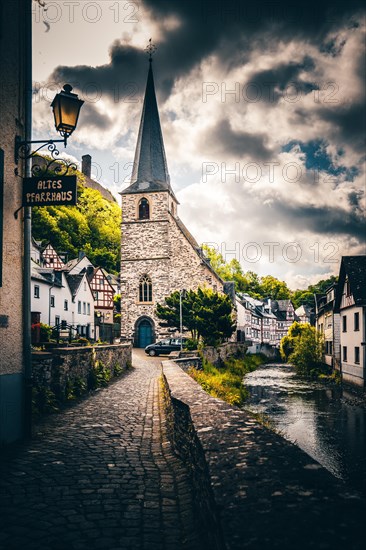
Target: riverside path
[[100, 475]]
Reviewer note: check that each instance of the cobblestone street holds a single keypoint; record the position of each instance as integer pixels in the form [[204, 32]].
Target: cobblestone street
[[100, 474]]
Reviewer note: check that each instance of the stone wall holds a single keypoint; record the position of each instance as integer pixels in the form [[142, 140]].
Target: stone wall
[[252, 485], [53, 370], [218, 355], [13, 98], [162, 249], [187, 446]]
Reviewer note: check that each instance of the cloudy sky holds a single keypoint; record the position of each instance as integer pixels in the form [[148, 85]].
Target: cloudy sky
[[262, 110]]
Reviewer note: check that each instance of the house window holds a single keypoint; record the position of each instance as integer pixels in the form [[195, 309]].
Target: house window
[[84, 308], [144, 209], [36, 291], [348, 288], [344, 353], [84, 285], [79, 307], [57, 321], [357, 321], [66, 305], [344, 323], [357, 355], [52, 301], [88, 306], [145, 289]]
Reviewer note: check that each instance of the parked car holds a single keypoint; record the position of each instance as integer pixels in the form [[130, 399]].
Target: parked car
[[164, 347]]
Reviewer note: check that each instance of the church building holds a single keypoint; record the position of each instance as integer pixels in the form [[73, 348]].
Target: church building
[[158, 253]]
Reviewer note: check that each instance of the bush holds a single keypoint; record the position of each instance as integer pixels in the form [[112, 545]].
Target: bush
[[191, 344], [303, 348], [45, 332]]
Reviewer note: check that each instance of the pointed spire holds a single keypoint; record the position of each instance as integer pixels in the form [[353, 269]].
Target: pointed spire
[[150, 170]]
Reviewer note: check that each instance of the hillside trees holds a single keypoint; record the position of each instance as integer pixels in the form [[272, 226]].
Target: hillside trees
[[266, 286], [93, 226]]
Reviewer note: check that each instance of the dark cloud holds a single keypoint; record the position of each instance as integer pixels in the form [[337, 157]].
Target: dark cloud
[[229, 29], [222, 139], [324, 220], [123, 79], [92, 118], [348, 123], [272, 83]]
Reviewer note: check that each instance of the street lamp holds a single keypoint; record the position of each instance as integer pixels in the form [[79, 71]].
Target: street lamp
[[66, 109]]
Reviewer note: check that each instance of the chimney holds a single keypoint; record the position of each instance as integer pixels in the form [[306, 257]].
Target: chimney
[[86, 165]]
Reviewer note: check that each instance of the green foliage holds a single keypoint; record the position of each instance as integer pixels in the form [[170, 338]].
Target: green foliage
[[306, 297], [287, 344], [263, 287], [44, 401], [226, 382], [249, 282], [117, 370], [191, 344], [205, 313], [99, 376], [80, 386], [45, 332], [303, 347], [93, 226]]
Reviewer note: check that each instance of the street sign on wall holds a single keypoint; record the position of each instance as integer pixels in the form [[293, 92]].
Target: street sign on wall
[[50, 191]]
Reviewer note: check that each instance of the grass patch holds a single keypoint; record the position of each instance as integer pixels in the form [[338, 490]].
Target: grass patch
[[226, 382]]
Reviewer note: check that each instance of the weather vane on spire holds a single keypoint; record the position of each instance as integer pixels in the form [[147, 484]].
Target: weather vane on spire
[[150, 50]]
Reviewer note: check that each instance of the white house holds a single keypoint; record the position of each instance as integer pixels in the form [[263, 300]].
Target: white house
[[58, 298], [350, 303], [82, 304], [328, 324]]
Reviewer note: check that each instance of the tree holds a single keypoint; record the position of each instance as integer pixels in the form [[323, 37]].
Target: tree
[[228, 271], [303, 347], [275, 289], [205, 313]]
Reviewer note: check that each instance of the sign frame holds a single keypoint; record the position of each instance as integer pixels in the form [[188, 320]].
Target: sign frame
[[47, 190]]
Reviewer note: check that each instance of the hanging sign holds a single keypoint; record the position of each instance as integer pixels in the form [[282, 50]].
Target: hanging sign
[[50, 191]]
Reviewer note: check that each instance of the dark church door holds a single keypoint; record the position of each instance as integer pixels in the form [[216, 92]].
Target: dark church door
[[145, 334]]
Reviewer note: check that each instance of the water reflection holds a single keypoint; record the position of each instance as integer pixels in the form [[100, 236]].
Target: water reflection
[[317, 419]]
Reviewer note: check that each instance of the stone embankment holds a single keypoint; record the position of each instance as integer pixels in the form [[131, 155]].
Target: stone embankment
[[53, 370], [254, 490]]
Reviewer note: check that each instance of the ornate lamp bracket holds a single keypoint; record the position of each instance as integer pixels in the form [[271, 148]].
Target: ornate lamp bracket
[[23, 149]]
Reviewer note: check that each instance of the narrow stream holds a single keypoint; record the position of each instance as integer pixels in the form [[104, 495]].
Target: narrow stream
[[318, 419]]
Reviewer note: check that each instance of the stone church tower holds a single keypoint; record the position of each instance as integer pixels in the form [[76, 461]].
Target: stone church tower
[[158, 254]]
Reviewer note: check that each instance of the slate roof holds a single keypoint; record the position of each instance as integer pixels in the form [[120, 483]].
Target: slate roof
[[45, 275], [353, 267], [150, 169], [74, 282]]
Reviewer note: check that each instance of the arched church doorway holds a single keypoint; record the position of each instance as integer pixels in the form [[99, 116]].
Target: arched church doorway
[[144, 332]]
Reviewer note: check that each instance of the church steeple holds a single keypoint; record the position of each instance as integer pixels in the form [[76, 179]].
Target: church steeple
[[150, 170]]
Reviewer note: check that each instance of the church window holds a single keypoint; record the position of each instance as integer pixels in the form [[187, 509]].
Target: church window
[[144, 209], [145, 289], [172, 208]]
